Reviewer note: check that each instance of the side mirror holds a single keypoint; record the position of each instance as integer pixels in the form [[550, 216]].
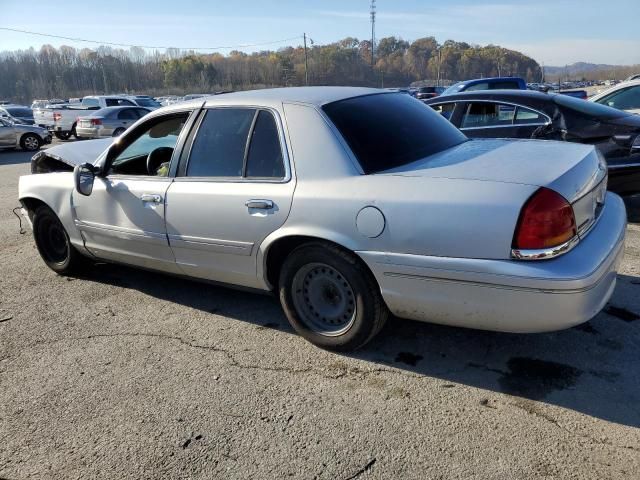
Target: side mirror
[[624, 141], [84, 176]]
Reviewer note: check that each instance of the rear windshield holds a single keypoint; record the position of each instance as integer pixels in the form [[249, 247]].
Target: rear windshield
[[389, 130], [19, 111], [588, 108]]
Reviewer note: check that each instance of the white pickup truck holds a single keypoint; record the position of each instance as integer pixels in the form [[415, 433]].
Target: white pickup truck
[[61, 119]]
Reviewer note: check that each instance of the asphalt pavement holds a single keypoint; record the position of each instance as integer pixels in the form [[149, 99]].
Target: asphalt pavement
[[127, 374]]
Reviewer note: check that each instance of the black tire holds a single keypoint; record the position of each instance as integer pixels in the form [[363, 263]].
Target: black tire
[[62, 135], [340, 287], [117, 132], [30, 142], [53, 243], [73, 132]]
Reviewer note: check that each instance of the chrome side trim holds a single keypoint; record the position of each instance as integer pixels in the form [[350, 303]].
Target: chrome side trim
[[211, 244], [545, 253]]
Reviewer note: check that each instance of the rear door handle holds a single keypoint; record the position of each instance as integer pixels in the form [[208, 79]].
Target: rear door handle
[[151, 198], [262, 204]]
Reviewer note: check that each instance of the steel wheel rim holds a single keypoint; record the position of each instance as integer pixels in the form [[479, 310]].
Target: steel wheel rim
[[53, 241], [31, 143], [324, 299]]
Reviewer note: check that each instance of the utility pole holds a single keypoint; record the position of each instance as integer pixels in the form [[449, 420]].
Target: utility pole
[[306, 61], [373, 30]]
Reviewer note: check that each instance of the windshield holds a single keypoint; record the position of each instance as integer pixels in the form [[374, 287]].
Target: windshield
[[388, 130], [147, 102], [585, 107], [20, 112], [455, 88]]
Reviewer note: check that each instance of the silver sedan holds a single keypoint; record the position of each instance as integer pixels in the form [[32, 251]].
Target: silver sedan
[[27, 137], [350, 204], [109, 121]]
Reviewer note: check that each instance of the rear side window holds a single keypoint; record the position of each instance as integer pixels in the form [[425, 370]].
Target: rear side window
[[219, 146], [127, 114], [505, 85], [388, 130], [477, 86], [118, 102], [264, 159], [90, 102], [526, 116], [484, 114]]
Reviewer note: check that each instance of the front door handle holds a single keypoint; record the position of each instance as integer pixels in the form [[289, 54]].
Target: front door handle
[[261, 204], [151, 198]]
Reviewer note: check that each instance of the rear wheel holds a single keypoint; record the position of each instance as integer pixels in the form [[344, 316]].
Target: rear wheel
[[73, 132], [53, 243], [330, 298], [62, 135], [30, 142]]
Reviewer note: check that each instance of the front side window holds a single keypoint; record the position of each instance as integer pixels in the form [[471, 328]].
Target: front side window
[[90, 102], [151, 149], [388, 130], [625, 99], [484, 114]]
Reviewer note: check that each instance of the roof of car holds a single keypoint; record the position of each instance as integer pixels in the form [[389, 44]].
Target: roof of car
[[311, 95], [493, 95]]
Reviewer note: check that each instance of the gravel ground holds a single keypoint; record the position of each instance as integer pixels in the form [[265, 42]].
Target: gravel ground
[[128, 375]]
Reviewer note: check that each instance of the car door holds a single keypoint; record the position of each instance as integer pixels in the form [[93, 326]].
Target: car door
[[127, 117], [7, 134], [123, 219], [485, 119], [233, 189]]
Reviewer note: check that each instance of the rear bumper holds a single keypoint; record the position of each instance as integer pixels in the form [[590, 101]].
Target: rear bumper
[[507, 295], [92, 132]]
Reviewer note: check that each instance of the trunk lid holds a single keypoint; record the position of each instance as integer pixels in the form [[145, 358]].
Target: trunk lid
[[577, 172]]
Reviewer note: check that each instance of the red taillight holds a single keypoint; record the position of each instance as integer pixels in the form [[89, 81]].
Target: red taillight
[[56, 116], [96, 121], [546, 220]]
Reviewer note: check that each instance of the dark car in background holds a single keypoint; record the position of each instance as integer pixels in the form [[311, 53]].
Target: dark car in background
[[535, 115], [423, 93], [494, 83], [17, 114]]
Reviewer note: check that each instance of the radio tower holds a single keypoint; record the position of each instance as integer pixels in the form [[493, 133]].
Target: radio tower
[[373, 30]]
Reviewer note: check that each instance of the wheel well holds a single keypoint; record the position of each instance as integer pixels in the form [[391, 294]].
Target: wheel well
[[281, 248], [31, 204]]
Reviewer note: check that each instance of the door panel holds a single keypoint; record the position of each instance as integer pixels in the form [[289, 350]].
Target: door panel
[[214, 234], [123, 220], [7, 136]]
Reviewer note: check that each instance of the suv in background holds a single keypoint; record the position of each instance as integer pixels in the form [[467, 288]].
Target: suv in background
[[495, 83]]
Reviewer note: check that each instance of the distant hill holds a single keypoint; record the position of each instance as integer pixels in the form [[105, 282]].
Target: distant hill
[[580, 67]]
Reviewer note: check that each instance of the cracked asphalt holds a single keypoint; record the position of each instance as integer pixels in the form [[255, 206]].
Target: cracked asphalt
[[126, 374]]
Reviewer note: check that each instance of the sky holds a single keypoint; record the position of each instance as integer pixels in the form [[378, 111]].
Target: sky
[[557, 32]]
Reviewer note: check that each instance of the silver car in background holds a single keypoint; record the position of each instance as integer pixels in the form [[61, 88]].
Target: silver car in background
[[109, 121], [28, 137], [350, 204]]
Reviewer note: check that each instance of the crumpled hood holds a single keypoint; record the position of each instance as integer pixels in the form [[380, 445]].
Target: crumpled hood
[[79, 152], [571, 169]]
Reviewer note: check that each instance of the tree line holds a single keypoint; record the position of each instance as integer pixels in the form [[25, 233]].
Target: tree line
[[69, 72]]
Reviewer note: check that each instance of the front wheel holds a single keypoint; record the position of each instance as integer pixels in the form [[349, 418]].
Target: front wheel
[[30, 142], [330, 298], [53, 243], [118, 131]]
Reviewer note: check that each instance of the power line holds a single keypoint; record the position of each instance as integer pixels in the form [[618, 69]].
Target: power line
[[224, 47]]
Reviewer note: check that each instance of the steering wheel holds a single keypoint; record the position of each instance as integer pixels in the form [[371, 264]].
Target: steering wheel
[[157, 158]]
